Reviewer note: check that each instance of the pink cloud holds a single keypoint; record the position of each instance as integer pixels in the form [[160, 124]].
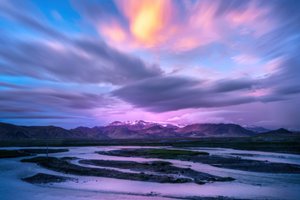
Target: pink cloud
[[260, 92], [113, 31], [154, 24], [200, 27], [254, 20]]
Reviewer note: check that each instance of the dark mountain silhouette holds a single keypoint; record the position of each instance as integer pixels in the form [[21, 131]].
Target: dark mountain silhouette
[[277, 135], [215, 130], [10, 131], [257, 129], [131, 130], [86, 132], [279, 131]]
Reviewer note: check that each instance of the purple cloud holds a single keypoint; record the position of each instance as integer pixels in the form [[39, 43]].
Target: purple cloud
[[231, 61]]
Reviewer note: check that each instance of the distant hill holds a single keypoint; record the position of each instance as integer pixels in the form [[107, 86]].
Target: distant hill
[[128, 130], [86, 132], [277, 132], [214, 130], [277, 135], [10, 131], [257, 129]]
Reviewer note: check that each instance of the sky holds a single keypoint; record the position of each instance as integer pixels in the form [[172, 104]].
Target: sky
[[88, 63]]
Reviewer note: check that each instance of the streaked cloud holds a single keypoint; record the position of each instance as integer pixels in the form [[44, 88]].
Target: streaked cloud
[[81, 60], [185, 26], [246, 59], [91, 62]]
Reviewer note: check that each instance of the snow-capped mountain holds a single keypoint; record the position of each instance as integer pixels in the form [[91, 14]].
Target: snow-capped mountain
[[125, 130]]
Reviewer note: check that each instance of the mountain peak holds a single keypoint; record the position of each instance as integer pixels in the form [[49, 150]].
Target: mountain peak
[[136, 122], [116, 123], [282, 131], [133, 129]]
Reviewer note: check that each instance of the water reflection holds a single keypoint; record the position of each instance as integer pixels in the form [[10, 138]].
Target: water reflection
[[247, 184]]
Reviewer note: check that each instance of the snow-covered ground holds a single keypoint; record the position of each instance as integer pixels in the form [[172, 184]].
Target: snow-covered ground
[[248, 185]]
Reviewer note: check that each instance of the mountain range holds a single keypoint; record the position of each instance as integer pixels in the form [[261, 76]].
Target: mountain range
[[130, 130]]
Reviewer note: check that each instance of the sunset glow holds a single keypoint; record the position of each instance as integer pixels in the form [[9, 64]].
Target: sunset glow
[[71, 63]]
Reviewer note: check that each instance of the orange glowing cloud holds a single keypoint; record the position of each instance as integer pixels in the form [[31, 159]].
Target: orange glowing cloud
[[156, 24], [147, 19]]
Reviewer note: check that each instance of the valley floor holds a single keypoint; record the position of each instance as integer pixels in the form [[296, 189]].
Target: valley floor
[[277, 144], [70, 178]]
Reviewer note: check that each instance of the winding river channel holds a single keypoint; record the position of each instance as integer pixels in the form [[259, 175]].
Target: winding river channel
[[247, 185]]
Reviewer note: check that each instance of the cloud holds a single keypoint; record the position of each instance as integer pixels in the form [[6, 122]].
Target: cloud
[[159, 24], [202, 116], [244, 59], [127, 67], [10, 11], [37, 117], [10, 85], [170, 93], [52, 98], [61, 58], [83, 61], [161, 94], [285, 80], [228, 85], [253, 19], [233, 54], [147, 19], [46, 106]]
